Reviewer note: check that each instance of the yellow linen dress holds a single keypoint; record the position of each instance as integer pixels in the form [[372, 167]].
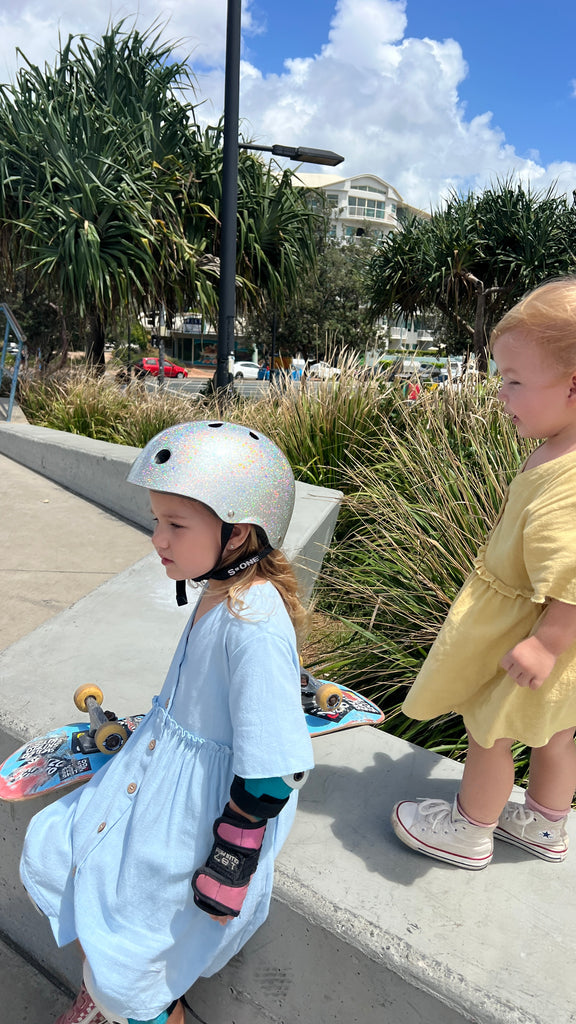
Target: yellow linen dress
[[529, 558]]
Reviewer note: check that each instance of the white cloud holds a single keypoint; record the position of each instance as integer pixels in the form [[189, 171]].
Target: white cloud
[[389, 103], [34, 26]]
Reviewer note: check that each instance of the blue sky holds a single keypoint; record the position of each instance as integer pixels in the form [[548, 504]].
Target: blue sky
[[431, 95], [521, 58]]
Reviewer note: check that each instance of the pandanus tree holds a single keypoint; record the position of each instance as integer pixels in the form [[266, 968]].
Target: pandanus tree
[[474, 258], [109, 194], [88, 157]]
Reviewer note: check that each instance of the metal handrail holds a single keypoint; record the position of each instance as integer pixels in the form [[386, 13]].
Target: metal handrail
[[11, 323]]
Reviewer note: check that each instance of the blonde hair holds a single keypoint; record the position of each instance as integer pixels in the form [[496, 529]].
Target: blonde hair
[[548, 316], [276, 569]]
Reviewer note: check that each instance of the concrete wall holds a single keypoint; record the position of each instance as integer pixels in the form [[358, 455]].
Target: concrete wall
[[97, 470], [361, 930]]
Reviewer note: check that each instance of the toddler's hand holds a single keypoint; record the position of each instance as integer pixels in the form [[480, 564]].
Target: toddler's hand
[[529, 663]]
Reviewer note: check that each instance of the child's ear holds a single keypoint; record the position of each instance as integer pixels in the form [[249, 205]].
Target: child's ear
[[239, 534]]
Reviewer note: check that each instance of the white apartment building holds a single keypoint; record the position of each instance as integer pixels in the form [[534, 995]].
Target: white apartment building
[[365, 204], [362, 204]]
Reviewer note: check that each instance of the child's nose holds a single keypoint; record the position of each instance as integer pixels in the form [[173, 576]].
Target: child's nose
[[158, 537]]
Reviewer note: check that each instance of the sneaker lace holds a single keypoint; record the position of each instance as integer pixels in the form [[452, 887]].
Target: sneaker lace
[[437, 812], [521, 816]]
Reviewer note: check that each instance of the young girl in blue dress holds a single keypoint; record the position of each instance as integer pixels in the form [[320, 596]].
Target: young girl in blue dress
[[177, 835]]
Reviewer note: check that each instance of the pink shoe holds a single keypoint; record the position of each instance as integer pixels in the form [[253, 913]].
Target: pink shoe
[[82, 1011]]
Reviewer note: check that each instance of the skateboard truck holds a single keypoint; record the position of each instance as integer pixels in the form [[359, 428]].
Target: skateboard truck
[[106, 733], [326, 696]]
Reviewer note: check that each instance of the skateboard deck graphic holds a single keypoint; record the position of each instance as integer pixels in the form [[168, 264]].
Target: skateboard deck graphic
[[60, 759]]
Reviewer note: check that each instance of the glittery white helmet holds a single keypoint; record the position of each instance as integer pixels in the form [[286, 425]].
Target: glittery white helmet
[[238, 472]]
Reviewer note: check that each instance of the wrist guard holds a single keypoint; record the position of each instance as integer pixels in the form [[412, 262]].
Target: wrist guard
[[220, 886]]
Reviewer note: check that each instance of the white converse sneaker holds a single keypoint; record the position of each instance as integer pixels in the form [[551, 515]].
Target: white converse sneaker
[[436, 828], [533, 832]]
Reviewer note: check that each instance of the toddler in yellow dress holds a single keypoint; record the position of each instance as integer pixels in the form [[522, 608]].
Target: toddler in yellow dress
[[505, 658]]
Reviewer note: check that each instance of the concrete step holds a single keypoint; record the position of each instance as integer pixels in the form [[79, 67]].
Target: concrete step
[[29, 995]]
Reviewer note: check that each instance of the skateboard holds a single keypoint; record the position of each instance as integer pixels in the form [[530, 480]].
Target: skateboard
[[68, 755], [329, 707], [71, 754]]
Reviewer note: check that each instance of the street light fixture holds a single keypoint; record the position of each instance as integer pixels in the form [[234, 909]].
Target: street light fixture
[[300, 153], [229, 205]]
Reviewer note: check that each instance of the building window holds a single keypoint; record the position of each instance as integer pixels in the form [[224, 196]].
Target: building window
[[369, 188], [332, 198], [374, 209]]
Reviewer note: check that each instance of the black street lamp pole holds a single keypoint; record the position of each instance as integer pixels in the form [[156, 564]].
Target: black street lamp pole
[[229, 204]]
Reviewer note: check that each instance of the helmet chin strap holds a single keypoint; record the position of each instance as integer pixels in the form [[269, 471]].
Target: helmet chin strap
[[216, 573]]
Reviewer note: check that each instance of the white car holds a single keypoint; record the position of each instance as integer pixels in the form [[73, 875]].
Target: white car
[[246, 369], [323, 370]]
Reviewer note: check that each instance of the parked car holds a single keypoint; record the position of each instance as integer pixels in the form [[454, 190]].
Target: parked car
[[323, 371], [246, 368], [149, 364]]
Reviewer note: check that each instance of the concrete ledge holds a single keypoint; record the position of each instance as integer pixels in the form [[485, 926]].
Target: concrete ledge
[[97, 470]]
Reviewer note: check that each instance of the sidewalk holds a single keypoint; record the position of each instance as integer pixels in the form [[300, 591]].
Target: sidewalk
[[57, 548]]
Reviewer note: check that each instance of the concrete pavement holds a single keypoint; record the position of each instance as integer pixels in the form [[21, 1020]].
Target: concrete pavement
[[56, 548], [28, 995]]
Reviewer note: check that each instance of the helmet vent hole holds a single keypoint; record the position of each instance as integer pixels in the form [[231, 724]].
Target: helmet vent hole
[[214, 425], [162, 456], [255, 436]]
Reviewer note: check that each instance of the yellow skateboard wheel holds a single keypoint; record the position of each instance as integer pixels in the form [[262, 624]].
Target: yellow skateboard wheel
[[110, 738], [87, 690], [328, 697]]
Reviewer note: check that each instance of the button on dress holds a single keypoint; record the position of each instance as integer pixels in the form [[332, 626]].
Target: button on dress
[[530, 558], [111, 863]]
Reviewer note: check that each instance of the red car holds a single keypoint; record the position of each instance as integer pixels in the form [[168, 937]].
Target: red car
[[152, 365]]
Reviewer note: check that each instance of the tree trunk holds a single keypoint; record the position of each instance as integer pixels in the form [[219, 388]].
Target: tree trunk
[[64, 340], [95, 344], [480, 347], [479, 337]]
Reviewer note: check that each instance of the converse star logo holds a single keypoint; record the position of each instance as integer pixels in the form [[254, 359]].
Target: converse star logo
[[546, 834]]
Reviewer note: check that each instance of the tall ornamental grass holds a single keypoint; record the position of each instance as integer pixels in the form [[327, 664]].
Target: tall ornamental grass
[[417, 509], [84, 403], [319, 426], [423, 482]]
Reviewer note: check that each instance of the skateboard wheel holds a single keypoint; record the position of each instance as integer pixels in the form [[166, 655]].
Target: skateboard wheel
[[328, 697], [110, 738], [87, 690]]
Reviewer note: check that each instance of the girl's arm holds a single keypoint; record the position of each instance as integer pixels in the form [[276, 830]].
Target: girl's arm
[[220, 886], [531, 661]]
